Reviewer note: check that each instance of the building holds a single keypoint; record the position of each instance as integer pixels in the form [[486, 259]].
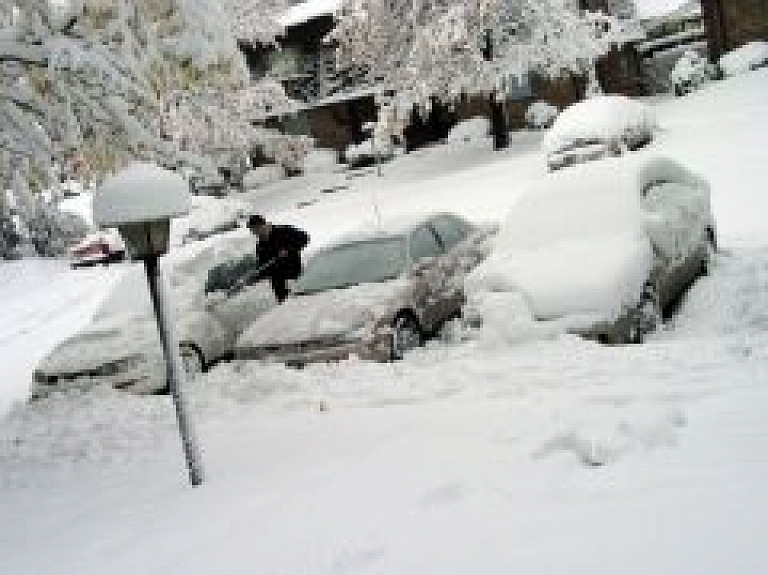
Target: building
[[733, 23], [334, 107]]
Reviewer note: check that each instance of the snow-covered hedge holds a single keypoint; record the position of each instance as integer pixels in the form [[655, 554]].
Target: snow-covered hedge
[[473, 129], [690, 72], [540, 115], [741, 60]]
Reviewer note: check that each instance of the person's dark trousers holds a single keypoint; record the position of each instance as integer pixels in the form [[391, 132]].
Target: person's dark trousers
[[279, 288]]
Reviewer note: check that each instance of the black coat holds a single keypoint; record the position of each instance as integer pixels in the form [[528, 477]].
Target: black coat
[[287, 238]]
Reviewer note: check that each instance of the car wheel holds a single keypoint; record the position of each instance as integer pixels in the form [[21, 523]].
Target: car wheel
[[192, 361], [406, 335], [648, 315]]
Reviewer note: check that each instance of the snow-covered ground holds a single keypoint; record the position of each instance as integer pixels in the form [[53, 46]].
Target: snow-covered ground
[[518, 450]]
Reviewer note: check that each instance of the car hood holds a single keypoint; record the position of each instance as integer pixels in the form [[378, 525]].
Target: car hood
[[103, 342], [322, 315], [587, 279]]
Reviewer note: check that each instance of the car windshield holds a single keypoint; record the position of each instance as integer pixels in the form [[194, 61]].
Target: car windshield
[[354, 263]]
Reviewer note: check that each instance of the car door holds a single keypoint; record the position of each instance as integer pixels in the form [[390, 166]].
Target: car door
[[425, 253], [675, 226], [458, 259]]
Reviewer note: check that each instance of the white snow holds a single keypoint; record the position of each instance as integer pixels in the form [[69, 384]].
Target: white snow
[[743, 59], [138, 193], [305, 11], [604, 118], [541, 114], [517, 451], [473, 129]]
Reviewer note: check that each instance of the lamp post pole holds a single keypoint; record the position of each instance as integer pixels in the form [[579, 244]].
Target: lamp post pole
[[175, 373]]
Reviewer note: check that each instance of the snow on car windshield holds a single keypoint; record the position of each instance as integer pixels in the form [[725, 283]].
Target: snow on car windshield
[[354, 263]]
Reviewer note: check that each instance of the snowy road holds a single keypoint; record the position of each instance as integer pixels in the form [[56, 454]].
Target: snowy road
[[513, 451]]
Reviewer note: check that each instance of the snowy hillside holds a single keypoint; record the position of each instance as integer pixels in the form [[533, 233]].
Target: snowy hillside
[[513, 449]]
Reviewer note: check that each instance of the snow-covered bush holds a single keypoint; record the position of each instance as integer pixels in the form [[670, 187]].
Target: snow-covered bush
[[741, 60], [262, 175], [540, 115], [473, 129], [690, 72], [289, 151]]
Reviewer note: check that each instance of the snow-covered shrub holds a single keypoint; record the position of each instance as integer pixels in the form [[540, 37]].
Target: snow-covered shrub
[[290, 151], [367, 152], [262, 175], [690, 72], [741, 60], [473, 129], [540, 115]]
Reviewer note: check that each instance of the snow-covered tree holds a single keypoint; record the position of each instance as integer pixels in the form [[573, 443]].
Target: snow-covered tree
[[85, 84], [443, 48]]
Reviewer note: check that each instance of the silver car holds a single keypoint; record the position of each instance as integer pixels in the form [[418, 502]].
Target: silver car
[[373, 295], [121, 345]]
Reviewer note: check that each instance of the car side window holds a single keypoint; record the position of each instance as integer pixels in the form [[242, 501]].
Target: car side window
[[450, 230], [424, 244]]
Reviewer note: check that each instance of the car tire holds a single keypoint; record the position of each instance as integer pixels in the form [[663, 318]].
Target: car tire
[[647, 316], [406, 335], [192, 361]]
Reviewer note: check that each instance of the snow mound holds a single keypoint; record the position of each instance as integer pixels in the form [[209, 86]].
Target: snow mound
[[742, 60], [603, 118], [468, 130], [209, 216], [262, 176], [541, 115]]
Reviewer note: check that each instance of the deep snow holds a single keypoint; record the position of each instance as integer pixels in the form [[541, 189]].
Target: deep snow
[[513, 449]]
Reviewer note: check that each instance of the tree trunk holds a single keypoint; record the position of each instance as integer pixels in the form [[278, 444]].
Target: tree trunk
[[499, 127]]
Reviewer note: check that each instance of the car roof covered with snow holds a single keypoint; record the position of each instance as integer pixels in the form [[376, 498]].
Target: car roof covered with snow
[[600, 118]]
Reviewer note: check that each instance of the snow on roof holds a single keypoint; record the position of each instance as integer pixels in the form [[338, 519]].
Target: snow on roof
[[301, 13]]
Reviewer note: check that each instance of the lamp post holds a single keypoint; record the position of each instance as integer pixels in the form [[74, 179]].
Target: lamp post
[[140, 201]]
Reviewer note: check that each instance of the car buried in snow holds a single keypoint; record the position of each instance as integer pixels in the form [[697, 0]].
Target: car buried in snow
[[372, 295], [596, 128], [120, 347], [603, 249]]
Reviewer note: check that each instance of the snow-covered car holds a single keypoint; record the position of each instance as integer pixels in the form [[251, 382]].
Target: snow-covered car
[[121, 345], [691, 71], [372, 295], [103, 247], [602, 250], [601, 126]]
